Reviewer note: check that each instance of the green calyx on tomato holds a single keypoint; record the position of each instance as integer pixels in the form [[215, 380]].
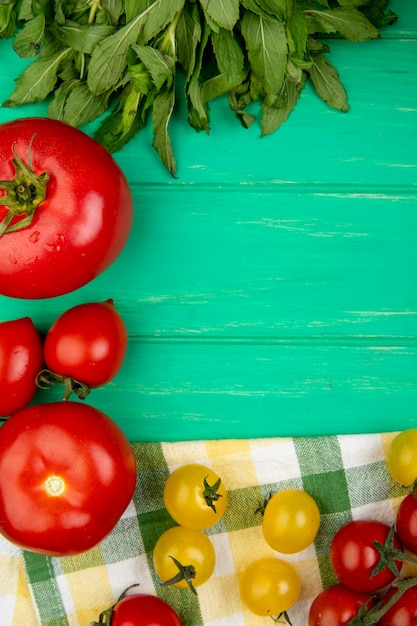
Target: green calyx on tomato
[[211, 493], [195, 496], [390, 556], [24, 193], [185, 572]]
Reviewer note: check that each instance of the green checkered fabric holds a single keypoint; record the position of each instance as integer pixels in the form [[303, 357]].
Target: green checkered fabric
[[346, 475]]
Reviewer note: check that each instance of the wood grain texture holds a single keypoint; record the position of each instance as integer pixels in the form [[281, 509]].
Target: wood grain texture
[[271, 288]]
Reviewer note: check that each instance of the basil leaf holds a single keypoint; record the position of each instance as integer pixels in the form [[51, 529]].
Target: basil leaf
[[38, 79], [163, 106], [28, 40], [266, 43], [157, 16], [326, 82], [84, 37], [229, 55], [198, 111], [160, 66], [108, 60], [225, 13], [188, 35], [8, 21], [349, 22], [82, 106], [276, 109]]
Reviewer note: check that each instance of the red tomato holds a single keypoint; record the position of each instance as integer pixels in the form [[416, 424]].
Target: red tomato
[[72, 202], [406, 522], [353, 555], [87, 343], [404, 611], [337, 605], [143, 610], [20, 360], [67, 473]]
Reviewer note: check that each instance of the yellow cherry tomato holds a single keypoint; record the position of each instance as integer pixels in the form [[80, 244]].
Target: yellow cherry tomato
[[291, 521], [195, 496], [184, 557], [402, 457], [269, 586]]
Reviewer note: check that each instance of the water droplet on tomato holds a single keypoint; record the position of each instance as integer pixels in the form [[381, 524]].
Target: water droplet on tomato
[[34, 237]]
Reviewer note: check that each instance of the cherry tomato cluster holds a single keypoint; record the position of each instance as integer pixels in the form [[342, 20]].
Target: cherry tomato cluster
[[196, 499], [270, 586], [367, 557], [67, 471]]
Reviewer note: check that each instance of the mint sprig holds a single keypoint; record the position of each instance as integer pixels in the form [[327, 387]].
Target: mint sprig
[[122, 57]]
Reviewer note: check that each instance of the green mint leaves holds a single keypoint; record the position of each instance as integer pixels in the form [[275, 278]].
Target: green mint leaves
[[122, 58]]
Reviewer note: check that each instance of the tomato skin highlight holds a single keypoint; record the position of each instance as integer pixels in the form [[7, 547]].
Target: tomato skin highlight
[[404, 610], [67, 474], [406, 522], [354, 556], [21, 359], [81, 226], [144, 610], [269, 586], [337, 605], [87, 342], [290, 521], [184, 496]]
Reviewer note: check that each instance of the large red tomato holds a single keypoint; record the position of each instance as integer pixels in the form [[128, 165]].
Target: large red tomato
[[20, 361], [67, 474], [67, 208]]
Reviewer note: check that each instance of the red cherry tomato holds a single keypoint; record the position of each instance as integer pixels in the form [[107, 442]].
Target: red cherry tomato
[[87, 343], [337, 605], [67, 473], [353, 555], [20, 361], [406, 522], [143, 610], [404, 611], [68, 212]]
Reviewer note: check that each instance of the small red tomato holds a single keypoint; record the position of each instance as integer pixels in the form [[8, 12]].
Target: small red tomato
[[87, 343], [142, 610], [354, 556], [337, 605], [20, 361], [67, 474], [404, 610], [406, 522]]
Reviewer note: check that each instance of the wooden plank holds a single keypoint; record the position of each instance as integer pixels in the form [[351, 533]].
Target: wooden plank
[[281, 263], [184, 390]]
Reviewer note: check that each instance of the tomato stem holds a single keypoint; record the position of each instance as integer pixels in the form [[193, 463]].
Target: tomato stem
[[185, 572], [210, 493], [24, 193], [46, 378], [374, 615]]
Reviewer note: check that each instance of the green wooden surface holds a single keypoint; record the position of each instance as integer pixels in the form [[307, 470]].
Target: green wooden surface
[[271, 288]]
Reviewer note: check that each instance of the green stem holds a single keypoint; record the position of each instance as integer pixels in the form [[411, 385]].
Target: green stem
[[46, 378]]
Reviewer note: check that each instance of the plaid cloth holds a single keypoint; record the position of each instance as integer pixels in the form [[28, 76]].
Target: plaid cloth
[[346, 475]]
